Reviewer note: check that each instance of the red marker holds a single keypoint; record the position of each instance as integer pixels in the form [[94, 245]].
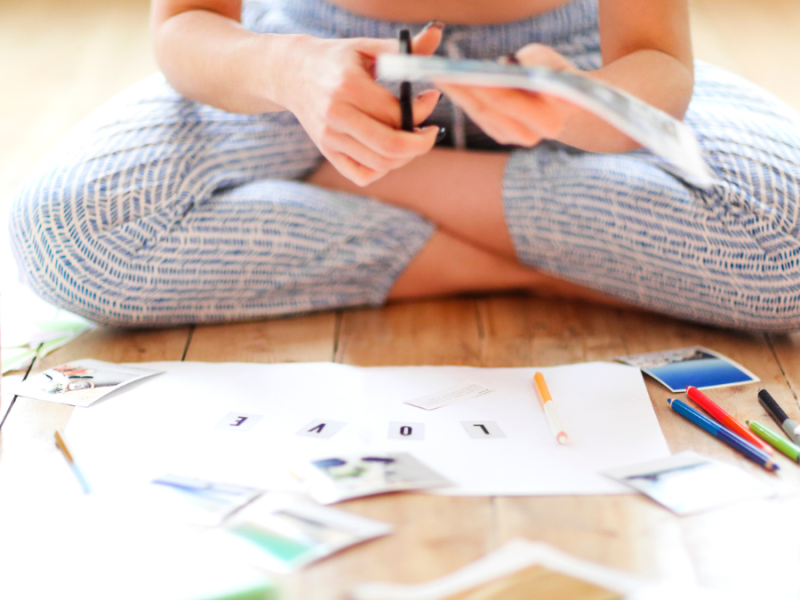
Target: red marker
[[721, 415]]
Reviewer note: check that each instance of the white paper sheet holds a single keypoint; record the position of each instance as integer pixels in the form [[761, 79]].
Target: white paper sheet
[[169, 424]]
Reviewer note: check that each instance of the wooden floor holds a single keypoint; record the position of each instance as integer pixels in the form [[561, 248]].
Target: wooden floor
[[85, 50]]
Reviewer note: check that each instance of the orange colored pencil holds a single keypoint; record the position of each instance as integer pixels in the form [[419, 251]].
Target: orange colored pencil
[[725, 419]]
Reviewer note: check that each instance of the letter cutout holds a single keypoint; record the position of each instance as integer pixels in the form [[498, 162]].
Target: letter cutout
[[405, 430], [323, 429], [238, 421], [483, 430]]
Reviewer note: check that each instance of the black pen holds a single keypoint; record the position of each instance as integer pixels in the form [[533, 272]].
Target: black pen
[[779, 416], [406, 113]]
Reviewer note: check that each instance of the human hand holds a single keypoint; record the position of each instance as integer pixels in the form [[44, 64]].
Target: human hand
[[519, 117], [355, 122]]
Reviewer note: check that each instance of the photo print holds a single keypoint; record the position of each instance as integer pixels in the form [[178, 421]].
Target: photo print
[[696, 366], [80, 383], [335, 479], [689, 482]]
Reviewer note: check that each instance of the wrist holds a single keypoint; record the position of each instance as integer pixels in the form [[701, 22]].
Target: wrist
[[283, 66]]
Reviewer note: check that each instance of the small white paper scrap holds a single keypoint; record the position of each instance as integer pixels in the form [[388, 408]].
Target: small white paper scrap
[[461, 391]]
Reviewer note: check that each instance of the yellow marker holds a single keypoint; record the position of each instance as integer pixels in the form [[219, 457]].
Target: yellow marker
[[550, 409]]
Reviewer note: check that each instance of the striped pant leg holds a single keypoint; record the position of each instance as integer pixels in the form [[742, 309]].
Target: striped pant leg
[[624, 225], [158, 211]]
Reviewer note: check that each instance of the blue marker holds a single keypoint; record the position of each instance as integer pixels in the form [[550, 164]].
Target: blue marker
[[757, 455]]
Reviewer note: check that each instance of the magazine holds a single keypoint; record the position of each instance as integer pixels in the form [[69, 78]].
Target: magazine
[[662, 134]]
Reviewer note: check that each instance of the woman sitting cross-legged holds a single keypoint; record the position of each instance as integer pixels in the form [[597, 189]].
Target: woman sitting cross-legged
[[265, 172]]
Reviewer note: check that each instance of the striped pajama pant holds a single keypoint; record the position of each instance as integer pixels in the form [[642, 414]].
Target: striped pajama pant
[[156, 210]]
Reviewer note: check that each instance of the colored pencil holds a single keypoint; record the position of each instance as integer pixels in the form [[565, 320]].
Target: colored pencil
[[62, 445], [769, 436], [744, 447], [725, 418]]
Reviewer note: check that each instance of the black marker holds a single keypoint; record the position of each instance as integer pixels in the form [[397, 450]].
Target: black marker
[[406, 113], [779, 416]]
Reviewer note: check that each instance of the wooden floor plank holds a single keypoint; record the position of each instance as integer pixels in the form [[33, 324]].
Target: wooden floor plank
[[436, 332], [524, 331], [301, 339]]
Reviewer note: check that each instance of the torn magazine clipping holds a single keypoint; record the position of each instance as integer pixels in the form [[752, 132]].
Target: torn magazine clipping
[[664, 135]]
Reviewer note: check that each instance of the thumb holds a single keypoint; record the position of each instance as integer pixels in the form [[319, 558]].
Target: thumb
[[428, 40], [373, 46]]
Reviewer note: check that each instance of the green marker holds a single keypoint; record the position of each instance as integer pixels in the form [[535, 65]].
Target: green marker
[[773, 439]]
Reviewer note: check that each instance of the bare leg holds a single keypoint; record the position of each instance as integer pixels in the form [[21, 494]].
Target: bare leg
[[472, 251], [461, 192], [447, 266]]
